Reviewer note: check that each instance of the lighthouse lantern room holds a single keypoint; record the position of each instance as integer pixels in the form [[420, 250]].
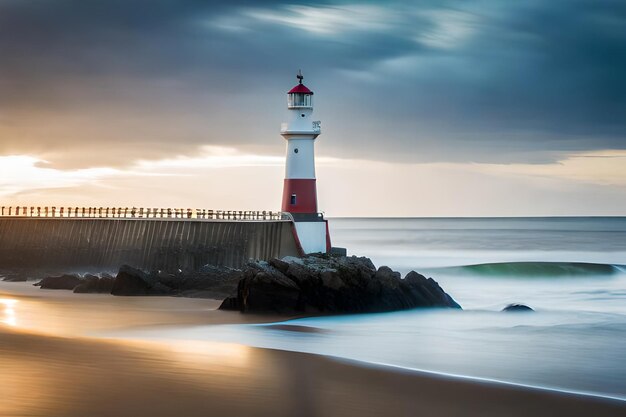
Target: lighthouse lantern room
[[300, 190]]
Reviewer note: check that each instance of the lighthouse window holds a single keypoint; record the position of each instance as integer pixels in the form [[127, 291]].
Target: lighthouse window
[[293, 199], [300, 100], [302, 115], [295, 150]]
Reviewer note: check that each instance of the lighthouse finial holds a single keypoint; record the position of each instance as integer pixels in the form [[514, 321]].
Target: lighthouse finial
[[300, 77]]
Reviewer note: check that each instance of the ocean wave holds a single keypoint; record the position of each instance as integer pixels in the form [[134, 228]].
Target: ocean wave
[[539, 269]]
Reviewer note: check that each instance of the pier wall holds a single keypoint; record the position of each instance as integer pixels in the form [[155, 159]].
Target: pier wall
[[104, 244]]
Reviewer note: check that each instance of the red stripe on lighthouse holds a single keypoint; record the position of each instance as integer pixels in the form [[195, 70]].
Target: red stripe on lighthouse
[[300, 196], [328, 244]]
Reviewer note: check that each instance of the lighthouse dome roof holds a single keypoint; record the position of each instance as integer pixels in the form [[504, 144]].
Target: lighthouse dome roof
[[300, 88]]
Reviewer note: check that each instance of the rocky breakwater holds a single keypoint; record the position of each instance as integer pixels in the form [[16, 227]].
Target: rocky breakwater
[[208, 282], [87, 283], [311, 285], [320, 284]]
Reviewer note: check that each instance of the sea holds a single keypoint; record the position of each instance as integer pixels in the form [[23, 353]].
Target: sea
[[571, 271]]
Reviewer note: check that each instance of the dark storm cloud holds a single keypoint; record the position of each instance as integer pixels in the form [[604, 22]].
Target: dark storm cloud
[[556, 67], [424, 80]]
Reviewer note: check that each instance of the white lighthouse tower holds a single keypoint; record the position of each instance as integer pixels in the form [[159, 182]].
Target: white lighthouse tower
[[299, 190]]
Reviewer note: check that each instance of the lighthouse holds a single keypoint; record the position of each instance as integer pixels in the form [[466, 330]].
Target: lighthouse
[[299, 188]]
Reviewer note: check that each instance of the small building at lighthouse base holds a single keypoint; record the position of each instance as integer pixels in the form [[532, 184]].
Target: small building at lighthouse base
[[311, 233]]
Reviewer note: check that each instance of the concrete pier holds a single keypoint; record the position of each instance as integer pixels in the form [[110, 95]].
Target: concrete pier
[[104, 244]]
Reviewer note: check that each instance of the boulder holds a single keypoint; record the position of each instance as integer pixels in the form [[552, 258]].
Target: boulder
[[14, 277], [323, 284], [133, 281], [61, 282], [95, 284], [208, 282], [517, 308], [269, 292]]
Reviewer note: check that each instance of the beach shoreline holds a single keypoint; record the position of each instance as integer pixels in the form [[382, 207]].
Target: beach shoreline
[[68, 370], [62, 376]]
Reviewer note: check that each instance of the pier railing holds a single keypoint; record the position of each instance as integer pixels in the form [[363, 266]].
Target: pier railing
[[140, 213]]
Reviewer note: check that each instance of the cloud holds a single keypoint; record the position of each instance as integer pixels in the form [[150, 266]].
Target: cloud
[[23, 174], [328, 20], [450, 28], [212, 157], [604, 168], [104, 83]]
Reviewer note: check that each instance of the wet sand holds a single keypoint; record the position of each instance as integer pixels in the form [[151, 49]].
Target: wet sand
[[53, 363]]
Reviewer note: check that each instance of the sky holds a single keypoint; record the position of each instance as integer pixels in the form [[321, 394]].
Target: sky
[[428, 108]]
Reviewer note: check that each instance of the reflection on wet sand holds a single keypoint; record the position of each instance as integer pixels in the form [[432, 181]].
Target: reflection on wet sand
[[44, 375], [62, 313], [76, 373], [7, 311], [51, 376]]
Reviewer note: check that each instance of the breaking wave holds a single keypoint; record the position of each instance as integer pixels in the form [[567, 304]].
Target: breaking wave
[[540, 269]]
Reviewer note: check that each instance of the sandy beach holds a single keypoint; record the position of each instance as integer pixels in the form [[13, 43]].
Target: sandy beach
[[54, 363]]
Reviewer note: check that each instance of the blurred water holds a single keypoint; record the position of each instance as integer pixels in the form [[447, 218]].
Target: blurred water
[[420, 243], [526, 260], [569, 270], [579, 352]]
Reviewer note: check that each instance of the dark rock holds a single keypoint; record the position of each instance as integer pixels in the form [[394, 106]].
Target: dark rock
[[171, 281], [386, 273], [208, 282], [270, 292], [294, 328], [94, 284], [517, 308], [89, 276], [14, 278], [210, 269], [331, 280], [264, 289], [62, 282], [279, 264], [161, 289], [131, 281], [230, 303], [323, 284]]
